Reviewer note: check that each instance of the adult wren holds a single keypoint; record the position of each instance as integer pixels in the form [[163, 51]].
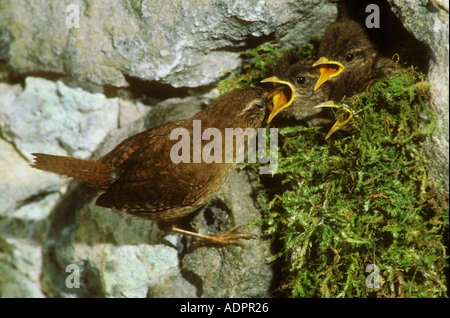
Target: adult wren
[[141, 177]]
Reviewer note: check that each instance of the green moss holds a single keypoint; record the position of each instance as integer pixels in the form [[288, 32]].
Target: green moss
[[362, 197], [258, 64]]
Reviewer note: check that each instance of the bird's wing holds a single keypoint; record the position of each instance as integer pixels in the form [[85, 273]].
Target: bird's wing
[[152, 190], [133, 148], [149, 182]]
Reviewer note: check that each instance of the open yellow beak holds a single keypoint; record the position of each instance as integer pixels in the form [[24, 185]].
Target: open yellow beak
[[344, 120], [328, 69], [280, 98]]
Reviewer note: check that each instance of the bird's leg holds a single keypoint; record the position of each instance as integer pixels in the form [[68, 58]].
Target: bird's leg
[[227, 238]]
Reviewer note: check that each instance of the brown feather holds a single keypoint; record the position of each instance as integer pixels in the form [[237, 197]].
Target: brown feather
[[139, 176], [93, 172], [299, 71], [345, 38]]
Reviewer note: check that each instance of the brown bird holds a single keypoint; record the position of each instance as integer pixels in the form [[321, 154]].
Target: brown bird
[[361, 11], [299, 76], [349, 60], [159, 176], [389, 35]]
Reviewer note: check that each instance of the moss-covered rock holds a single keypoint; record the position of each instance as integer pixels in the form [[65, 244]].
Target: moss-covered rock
[[362, 198]]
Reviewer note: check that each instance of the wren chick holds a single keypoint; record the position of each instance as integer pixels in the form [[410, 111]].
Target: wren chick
[[350, 60], [298, 74], [140, 177], [389, 34]]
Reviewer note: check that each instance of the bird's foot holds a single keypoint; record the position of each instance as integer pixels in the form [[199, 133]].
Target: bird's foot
[[227, 238]]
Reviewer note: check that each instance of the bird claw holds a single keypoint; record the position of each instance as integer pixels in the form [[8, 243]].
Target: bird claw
[[228, 237]]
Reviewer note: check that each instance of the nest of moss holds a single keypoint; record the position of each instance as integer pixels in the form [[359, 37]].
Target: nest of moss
[[356, 215]]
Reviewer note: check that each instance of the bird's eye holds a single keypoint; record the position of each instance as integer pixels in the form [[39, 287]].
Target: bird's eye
[[349, 57], [300, 80], [258, 104]]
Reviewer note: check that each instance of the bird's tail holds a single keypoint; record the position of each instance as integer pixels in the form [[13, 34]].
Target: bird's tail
[[93, 172]]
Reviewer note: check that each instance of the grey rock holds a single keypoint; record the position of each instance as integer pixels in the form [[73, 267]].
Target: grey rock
[[20, 185], [47, 116], [48, 223], [428, 21], [44, 116], [234, 271], [22, 234], [16, 285], [114, 254], [51, 117], [179, 42], [172, 287]]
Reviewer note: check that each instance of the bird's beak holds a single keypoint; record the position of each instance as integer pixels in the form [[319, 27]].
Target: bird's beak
[[282, 96], [328, 69], [344, 120]]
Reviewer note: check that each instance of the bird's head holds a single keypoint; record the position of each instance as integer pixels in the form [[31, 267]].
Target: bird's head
[[297, 98], [345, 48], [242, 107]]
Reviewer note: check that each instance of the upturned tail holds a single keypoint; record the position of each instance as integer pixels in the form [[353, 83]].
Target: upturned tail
[[93, 172]]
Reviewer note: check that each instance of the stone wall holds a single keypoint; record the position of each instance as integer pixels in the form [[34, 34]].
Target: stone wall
[[66, 90]]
